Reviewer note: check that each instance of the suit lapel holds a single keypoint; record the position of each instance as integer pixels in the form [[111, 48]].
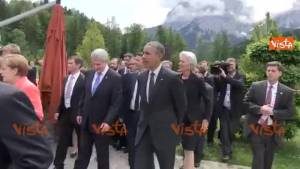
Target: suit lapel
[[143, 86], [90, 82], [278, 95], [263, 90], [158, 81], [103, 81]]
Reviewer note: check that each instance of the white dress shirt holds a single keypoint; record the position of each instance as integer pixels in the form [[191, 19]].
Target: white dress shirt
[[156, 71], [132, 102], [68, 99]]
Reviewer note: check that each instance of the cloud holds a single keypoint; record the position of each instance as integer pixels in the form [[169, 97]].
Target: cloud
[[187, 10]]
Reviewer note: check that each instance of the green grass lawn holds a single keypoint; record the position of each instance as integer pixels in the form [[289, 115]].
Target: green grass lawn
[[287, 156]]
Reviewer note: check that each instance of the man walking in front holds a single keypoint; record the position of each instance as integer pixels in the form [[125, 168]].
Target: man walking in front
[[162, 105], [102, 101]]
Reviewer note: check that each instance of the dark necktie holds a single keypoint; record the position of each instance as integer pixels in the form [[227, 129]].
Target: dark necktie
[[264, 119], [151, 84], [269, 96]]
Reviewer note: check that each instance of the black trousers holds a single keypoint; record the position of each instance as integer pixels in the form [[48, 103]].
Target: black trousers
[[226, 132], [87, 141], [144, 154], [131, 120], [66, 126], [263, 151]]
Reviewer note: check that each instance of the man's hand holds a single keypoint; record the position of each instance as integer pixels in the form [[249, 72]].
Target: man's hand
[[266, 110], [79, 119], [204, 126], [105, 127], [223, 74], [56, 116]]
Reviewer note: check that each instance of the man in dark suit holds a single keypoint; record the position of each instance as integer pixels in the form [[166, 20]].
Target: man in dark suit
[[102, 101], [126, 58], [207, 104], [269, 103], [24, 142], [209, 78], [131, 104], [68, 109], [162, 105], [230, 101]]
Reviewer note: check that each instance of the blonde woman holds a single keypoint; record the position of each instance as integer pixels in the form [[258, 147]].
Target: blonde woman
[[14, 69]]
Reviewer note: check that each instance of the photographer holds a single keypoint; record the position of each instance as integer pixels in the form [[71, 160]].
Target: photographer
[[230, 86]]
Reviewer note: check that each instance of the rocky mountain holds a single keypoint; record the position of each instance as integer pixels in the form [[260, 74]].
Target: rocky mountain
[[194, 19]]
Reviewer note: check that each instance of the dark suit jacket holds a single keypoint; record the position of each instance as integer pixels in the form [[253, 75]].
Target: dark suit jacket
[[128, 82], [23, 151], [255, 98], [208, 101], [76, 98], [209, 78], [105, 104], [122, 71], [236, 93], [31, 75], [166, 106]]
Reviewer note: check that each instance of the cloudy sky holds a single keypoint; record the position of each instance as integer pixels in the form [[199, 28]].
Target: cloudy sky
[[153, 12]]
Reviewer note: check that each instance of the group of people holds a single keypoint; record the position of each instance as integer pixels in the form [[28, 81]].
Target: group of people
[[159, 107]]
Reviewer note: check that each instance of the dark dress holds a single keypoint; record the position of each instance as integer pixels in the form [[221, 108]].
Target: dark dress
[[195, 91]]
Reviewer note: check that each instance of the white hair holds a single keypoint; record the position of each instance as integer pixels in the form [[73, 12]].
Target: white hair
[[100, 54], [190, 56]]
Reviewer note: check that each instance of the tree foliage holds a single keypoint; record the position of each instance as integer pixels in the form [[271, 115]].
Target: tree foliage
[[92, 39]]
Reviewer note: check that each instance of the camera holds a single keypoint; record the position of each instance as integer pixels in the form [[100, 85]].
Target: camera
[[215, 68]]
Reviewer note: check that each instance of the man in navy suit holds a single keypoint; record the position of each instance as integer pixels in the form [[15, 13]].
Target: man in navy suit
[[102, 101]]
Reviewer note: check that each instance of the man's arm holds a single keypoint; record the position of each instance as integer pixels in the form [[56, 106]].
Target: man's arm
[[237, 83], [248, 100], [116, 101], [208, 99], [286, 114]]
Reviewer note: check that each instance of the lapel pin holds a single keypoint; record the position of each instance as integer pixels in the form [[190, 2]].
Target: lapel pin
[[281, 93]]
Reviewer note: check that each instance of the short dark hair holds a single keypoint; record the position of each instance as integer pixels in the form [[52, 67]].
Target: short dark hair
[[158, 46], [130, 55], [77, 59], [139, 54], [204, 61], [277, 64]]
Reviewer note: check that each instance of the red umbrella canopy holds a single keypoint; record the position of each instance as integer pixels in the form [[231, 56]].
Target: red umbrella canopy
[[55, 62]]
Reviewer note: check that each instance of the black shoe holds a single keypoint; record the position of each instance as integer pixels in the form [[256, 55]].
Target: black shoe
[[73, 154], [226, 158], [197, 165], [125, 149]]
